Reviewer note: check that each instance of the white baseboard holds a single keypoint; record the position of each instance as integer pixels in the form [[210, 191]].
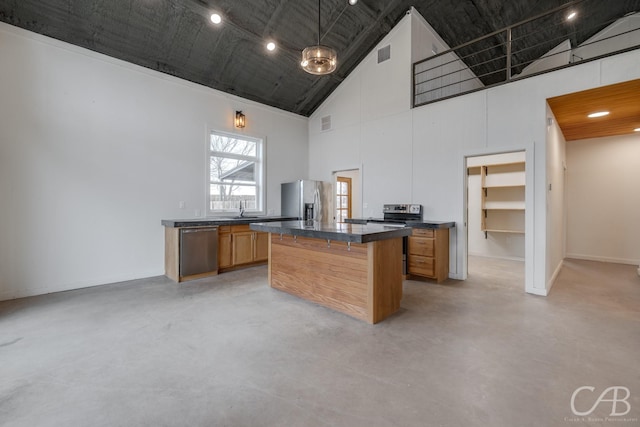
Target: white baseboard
[[604, 259], [554, 276], [508, 258], [12, 294], [536, 291]]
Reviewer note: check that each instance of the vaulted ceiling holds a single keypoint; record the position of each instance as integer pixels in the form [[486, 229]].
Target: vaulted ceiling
[[176, 37]]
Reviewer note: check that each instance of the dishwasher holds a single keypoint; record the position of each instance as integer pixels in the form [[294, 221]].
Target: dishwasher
[[198, 250]]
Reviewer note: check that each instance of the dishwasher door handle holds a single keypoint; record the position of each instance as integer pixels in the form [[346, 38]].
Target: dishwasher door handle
[[198, 230]]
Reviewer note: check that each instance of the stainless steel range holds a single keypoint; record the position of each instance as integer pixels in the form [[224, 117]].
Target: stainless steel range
[[402, 213], [399, 215], [395, 214]]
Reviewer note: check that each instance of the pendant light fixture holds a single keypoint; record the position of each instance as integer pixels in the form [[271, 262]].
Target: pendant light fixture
[[319, 59]]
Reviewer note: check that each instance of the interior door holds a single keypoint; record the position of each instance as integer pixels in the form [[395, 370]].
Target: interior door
[[343, 199]]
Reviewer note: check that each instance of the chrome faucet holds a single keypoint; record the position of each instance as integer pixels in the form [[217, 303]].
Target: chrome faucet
[[241, 209]]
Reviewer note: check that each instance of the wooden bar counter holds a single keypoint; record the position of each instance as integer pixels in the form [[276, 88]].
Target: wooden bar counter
[[352, 268]]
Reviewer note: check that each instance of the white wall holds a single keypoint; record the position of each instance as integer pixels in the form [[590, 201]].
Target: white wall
[[603, 199], [417, 155], [370, 112], [556, 57], [622, 34], [556, 198], [441, 76], [94, 152]]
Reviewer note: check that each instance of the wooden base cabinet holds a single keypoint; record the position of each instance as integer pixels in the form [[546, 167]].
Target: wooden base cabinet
[[261, 247], [428, 254], [224, 246], [238, 245], [242, 247]]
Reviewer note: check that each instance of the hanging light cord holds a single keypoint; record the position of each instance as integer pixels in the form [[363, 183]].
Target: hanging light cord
[[318, 22]]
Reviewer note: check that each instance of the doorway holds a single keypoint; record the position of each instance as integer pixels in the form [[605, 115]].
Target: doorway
[[347, 194], [495, 218], [343, 198]]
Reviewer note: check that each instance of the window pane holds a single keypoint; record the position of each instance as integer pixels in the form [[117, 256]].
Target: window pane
[[227, 144], [236, 171], [344, 203], [228, 197], [343, 188], [232, 171]]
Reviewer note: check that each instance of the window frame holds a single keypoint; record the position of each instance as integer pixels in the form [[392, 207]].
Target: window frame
[[260, 174]]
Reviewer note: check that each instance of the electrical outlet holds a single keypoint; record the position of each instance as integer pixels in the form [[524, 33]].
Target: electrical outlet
[[197, 212], [270, 212], [181, 204]]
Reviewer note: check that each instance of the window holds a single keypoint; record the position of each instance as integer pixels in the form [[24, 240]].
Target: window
[[236, 174], [343, 201]]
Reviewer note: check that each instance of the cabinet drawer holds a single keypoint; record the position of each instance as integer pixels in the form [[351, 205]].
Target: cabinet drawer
[[240, 228], [423, 266], [224, 229], [423, 232], [421, 246]]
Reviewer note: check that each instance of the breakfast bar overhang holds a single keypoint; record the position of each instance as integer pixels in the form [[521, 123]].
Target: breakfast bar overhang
[[352, 268]]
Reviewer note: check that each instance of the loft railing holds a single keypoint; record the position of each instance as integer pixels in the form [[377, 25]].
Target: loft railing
[[523, 50]]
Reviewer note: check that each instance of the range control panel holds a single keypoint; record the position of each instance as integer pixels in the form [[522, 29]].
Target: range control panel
[[402, 212], [402, 208]]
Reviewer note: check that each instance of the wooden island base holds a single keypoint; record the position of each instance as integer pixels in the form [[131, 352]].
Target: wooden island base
[[363, 280]]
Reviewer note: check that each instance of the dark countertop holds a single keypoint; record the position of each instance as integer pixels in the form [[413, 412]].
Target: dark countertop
[[207, 222], [355, 233], [413, 224]]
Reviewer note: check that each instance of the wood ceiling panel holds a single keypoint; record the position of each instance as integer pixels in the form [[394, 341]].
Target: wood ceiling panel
[[622, 100]]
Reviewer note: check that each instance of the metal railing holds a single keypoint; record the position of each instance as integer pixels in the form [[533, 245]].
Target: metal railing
[[540, 44]]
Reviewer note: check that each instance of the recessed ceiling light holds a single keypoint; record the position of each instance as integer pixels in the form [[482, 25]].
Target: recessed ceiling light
[[571, 15], [215, 18], [352, 2], [271, 46], [598, 114], [636, 130]]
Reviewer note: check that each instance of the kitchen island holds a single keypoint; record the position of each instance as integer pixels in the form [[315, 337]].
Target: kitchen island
[[352, 268]]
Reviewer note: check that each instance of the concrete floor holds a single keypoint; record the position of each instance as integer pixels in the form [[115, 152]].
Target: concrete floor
[[230, 351]]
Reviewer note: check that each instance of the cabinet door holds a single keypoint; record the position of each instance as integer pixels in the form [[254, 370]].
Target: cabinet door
[[261, 247], [224, 250], [242, 247]]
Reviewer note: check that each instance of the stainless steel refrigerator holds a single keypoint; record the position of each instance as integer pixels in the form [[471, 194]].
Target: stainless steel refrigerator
[[308, 200]]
